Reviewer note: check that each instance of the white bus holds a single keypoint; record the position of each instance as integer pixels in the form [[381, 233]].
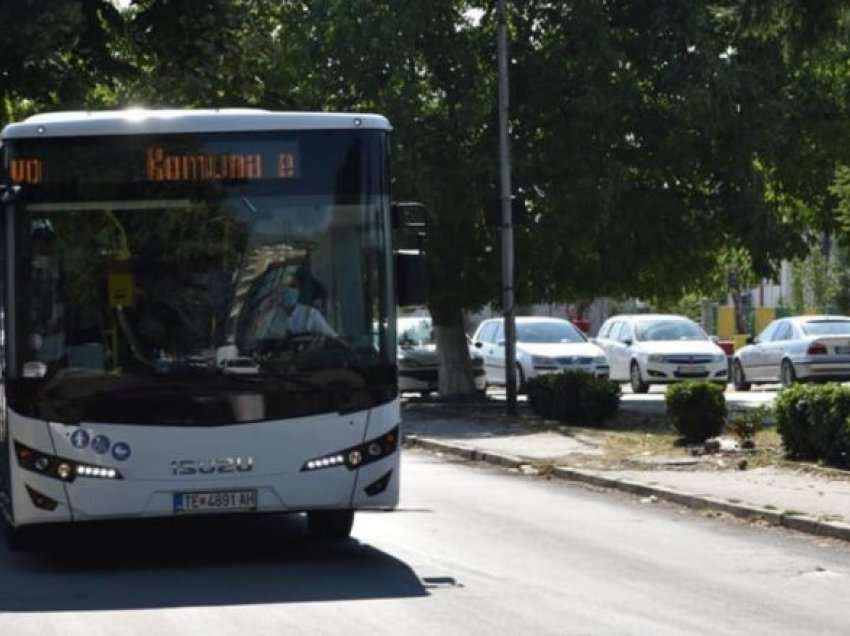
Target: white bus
[[198, 317]]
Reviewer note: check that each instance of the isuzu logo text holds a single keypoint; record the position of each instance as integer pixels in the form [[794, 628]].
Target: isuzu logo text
[[210, 466]]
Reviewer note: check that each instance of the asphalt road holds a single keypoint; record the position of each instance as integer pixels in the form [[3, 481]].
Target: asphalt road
[[471, 551]]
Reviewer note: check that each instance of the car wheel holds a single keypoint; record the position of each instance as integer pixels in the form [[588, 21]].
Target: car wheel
[[334, 525], [787, 376], [738, 377], [638, 385]]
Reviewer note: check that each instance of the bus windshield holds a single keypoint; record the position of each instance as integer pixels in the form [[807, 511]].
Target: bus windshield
[[202, 279]]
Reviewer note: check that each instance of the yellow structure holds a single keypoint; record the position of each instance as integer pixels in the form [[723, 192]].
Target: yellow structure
[[725, 322], [740, 340], [762, 317]]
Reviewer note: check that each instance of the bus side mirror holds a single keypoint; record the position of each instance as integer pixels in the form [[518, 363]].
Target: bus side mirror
[[409, 216], [411, 270]]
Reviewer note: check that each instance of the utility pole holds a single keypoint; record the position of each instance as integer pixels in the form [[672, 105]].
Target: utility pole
[[507, 216]]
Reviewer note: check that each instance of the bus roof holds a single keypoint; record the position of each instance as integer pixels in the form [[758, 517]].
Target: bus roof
[[137, 121]]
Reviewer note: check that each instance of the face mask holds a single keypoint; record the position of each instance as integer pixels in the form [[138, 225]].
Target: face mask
[[289, 296]]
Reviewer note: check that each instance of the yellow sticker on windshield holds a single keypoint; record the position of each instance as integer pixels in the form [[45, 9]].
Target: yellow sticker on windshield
[[121, 289]]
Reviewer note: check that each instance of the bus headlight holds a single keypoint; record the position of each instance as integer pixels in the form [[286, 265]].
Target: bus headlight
[[58, 467], [357, 456]]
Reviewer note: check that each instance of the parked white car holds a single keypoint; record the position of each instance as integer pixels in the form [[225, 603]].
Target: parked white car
[[544, 345], [240, 366], [418, 363], [797, 348], [647, 349]]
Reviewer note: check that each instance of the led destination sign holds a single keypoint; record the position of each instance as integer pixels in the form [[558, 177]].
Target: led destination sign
[[155, 163], [161, 166], [26, 170]]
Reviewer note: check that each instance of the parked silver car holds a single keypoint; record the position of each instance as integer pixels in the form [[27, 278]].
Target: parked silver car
[[418, 363], [796, 348], [544, 345], [647, 349]]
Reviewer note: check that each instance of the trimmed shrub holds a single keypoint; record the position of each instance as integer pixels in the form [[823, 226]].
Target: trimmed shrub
[[812, 420], [747, 423], [599, 399], [573, 396], [697, 409], [541, 394]]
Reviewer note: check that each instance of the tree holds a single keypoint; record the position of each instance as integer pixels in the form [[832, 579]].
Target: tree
[[422, 65], [57, 57], [425, 66], [802, 25], [641, 130], [649, 139]]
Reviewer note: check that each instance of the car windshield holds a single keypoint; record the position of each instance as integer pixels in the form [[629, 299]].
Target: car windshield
[[553, 332], [827, 328], [415, 332], [655, 330]]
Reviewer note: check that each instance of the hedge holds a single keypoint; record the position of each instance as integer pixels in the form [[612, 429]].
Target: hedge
[[696, 409], [573, 396], [812, 420]]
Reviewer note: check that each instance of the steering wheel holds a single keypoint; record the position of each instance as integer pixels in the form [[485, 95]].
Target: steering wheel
[[296, 343]]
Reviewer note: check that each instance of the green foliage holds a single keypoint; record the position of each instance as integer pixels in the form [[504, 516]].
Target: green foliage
[[802, 24], [815, 281], [689, 305], [656, 133], [56, 56], [696, 409], [743, 427], [798, 287], [813, 422], [840, 300], [574, 396], [745, 424], [633, 124]]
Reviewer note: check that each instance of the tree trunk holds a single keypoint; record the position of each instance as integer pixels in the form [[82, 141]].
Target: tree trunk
[[738, 306], [452, 348]]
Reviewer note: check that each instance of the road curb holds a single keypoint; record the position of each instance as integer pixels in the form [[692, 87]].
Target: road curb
[[796, 522]]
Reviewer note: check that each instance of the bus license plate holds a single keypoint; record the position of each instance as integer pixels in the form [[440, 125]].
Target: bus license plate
[[217, 501]]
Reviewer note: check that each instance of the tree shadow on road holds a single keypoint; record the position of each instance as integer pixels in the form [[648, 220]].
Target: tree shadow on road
[[468, 421], [460, 421], [197, 562]]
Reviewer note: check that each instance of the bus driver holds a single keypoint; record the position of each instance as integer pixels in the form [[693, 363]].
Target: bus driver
[[287, 316]]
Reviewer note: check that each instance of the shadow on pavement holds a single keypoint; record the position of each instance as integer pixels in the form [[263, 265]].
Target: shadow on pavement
[[486, 418], [198, 562], [474, 420]]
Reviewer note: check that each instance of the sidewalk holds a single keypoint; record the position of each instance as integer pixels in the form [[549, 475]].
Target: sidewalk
[[803, 497]]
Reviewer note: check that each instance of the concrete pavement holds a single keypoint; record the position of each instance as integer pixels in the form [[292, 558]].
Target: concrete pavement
[[805, 497]]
